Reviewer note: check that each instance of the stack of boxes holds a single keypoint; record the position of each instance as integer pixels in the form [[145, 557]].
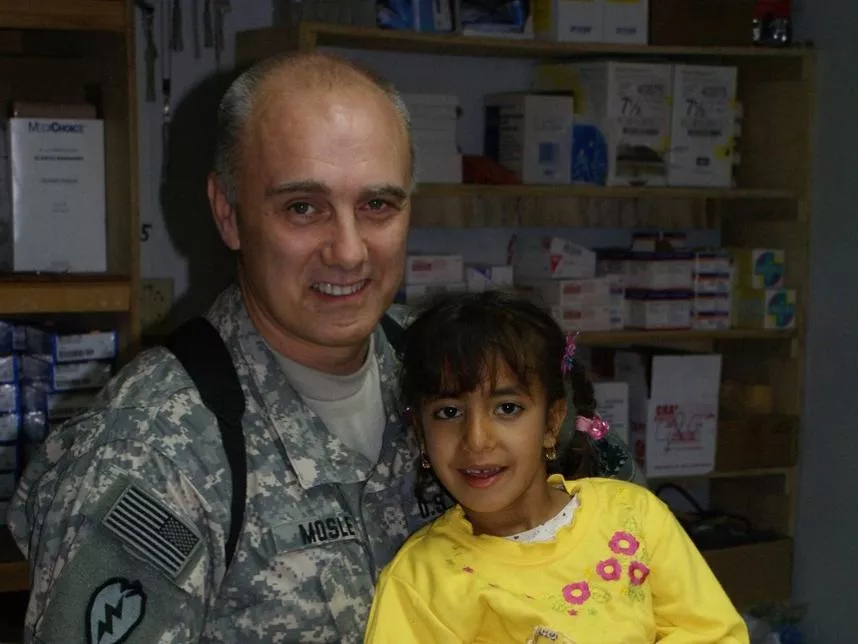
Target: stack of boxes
[[613, 21], [531, 135], [561, 276], [427, 275], [760, 299], [434, 119], [45, 378], [712, 275], [648, 124]]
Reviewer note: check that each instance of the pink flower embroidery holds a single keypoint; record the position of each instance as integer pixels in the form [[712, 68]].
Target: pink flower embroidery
[[623, 543], [576, 593], [609, 569], [638, 573]]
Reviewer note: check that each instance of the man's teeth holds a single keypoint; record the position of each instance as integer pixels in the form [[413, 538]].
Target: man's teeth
[[339, 290]]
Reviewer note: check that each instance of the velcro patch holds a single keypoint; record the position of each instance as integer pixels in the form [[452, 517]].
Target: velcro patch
[[150, 529]]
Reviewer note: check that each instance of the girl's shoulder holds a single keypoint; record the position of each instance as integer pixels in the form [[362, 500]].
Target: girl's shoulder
[[614, 496]]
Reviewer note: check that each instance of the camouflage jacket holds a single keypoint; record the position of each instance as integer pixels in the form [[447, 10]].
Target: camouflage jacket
[[124, 515]]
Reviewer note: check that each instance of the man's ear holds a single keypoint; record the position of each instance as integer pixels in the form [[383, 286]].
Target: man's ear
[[224, 213], [556, 416]]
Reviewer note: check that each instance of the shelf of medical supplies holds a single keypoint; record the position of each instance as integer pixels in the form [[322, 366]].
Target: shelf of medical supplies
[[598, 192], [14, 573], [731, 474], [261, 43], [95, 15], [43, 295], [633, 336]]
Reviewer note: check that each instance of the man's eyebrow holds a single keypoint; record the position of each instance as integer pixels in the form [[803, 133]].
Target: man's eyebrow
[[311, 187], [384, 190], [319, 188]]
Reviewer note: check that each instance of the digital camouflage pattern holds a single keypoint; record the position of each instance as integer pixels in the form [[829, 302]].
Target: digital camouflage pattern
[[320, 523]]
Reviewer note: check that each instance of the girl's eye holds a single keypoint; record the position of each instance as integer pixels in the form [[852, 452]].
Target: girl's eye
[[447, 413], [509, 409]]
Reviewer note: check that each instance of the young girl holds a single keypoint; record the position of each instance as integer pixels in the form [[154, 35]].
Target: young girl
[[525, 557]]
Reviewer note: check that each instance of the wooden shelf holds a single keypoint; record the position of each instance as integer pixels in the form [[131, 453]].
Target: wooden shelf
[[44, 295], [732, 474], [261, 43], [95, 15], [601, 192], [630, 336], [14, 571]]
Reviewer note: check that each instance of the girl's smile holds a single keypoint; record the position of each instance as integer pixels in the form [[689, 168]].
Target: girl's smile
[[487, 446]]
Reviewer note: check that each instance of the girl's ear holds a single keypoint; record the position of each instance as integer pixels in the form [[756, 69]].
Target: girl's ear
[[556, 416]]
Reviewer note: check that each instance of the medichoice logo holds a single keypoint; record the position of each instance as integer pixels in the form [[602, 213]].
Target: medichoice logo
[[769, 268], [55, 127], [782, 309]]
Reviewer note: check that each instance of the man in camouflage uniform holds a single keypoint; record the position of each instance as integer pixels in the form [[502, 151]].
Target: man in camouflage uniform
[[125, 514]]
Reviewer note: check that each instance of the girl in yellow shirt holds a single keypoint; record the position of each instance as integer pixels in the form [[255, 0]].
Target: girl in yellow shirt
[[525, 557]]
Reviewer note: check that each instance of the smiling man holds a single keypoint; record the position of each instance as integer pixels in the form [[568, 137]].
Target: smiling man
[[126, 514]]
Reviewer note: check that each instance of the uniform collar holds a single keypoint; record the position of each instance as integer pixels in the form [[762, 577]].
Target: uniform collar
[[316, 456]]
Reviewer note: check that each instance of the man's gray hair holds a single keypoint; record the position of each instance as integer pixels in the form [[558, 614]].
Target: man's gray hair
[[236, 107]]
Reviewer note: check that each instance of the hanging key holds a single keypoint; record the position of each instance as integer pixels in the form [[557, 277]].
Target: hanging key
[[195, 27], [151, 51], [221, 8], [208, 27], [177, 38]]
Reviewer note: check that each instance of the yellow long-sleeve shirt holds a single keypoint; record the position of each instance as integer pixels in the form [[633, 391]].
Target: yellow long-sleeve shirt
[[623, 571]]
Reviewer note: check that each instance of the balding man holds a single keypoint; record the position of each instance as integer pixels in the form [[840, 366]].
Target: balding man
[[128, 515]]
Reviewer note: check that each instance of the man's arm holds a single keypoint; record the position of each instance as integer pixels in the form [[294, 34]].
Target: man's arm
[[119, 543]]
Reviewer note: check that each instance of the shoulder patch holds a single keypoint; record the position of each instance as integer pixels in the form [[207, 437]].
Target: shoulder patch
[[149, 528], [114, 611]]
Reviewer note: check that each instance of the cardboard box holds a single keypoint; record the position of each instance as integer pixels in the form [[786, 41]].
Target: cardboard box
[[754, 574], [568, 293], [702, 126], [582, 318], [415, 293], [66, 376], [531, 135], [536, 257], [755, 442], [483, 277], [771, 309], [673, 410], [665, 310], [621, 135], [660, 271], [434, 269], [569, 20], [58, 214], [72, 347], [626, 21]]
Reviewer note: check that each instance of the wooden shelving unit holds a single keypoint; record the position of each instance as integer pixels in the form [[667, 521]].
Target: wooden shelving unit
[[770, 208], [78, 51]]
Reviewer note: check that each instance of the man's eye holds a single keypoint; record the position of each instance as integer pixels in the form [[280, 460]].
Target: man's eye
[[300, 208]]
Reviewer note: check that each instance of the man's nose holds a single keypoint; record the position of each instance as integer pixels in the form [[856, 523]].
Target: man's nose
[[347, 248]]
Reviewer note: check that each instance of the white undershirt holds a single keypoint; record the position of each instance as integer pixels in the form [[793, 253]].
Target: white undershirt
[[548, 530], [351, 406]]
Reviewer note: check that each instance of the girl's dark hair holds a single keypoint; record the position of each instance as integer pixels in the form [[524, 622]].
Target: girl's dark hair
[[461, 338]]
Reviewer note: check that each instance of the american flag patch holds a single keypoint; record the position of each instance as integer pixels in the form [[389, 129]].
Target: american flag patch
[[151, 530]]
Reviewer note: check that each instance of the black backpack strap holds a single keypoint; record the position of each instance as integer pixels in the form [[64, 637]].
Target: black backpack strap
[[203, 354], [393, 330]]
